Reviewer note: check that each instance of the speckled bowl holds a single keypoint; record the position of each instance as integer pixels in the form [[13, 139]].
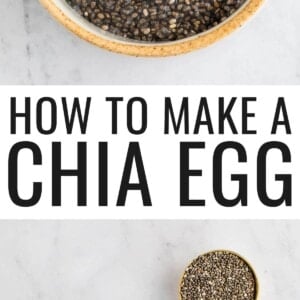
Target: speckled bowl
[[89, 32], [238, 255]]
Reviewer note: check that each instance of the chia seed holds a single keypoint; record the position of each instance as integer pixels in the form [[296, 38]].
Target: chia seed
[[156, 20], [218, 275]]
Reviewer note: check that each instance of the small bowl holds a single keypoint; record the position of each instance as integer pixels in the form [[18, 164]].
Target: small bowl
[[91, 33], [234, 253]]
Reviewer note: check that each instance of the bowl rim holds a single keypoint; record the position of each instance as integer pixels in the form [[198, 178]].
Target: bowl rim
[[67, 16], [257, 285]]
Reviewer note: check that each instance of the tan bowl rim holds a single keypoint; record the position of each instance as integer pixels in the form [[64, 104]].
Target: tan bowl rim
[[205, 39], [227, 251]]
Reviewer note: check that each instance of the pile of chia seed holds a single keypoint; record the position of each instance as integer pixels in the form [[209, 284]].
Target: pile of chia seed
[[156, 20], [218, 275]]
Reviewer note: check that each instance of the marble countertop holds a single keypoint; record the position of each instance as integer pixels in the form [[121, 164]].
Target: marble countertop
[[121, 260], [34, 49]]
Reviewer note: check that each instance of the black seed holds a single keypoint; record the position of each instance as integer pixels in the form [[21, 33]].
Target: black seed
[[218, 275], [156, 20]]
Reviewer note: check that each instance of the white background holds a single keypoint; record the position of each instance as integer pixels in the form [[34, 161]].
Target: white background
[[34, 49], [68, 260], [160, 153]]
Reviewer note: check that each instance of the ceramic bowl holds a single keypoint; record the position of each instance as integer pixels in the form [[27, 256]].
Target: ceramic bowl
[[89, 32], [236, 254]]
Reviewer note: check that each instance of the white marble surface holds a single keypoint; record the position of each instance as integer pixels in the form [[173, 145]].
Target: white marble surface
[[122, 260], [136, 260], [34, 49]]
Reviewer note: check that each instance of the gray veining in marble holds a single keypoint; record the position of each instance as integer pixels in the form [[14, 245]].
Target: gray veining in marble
[[122, 260], [34, 49]]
